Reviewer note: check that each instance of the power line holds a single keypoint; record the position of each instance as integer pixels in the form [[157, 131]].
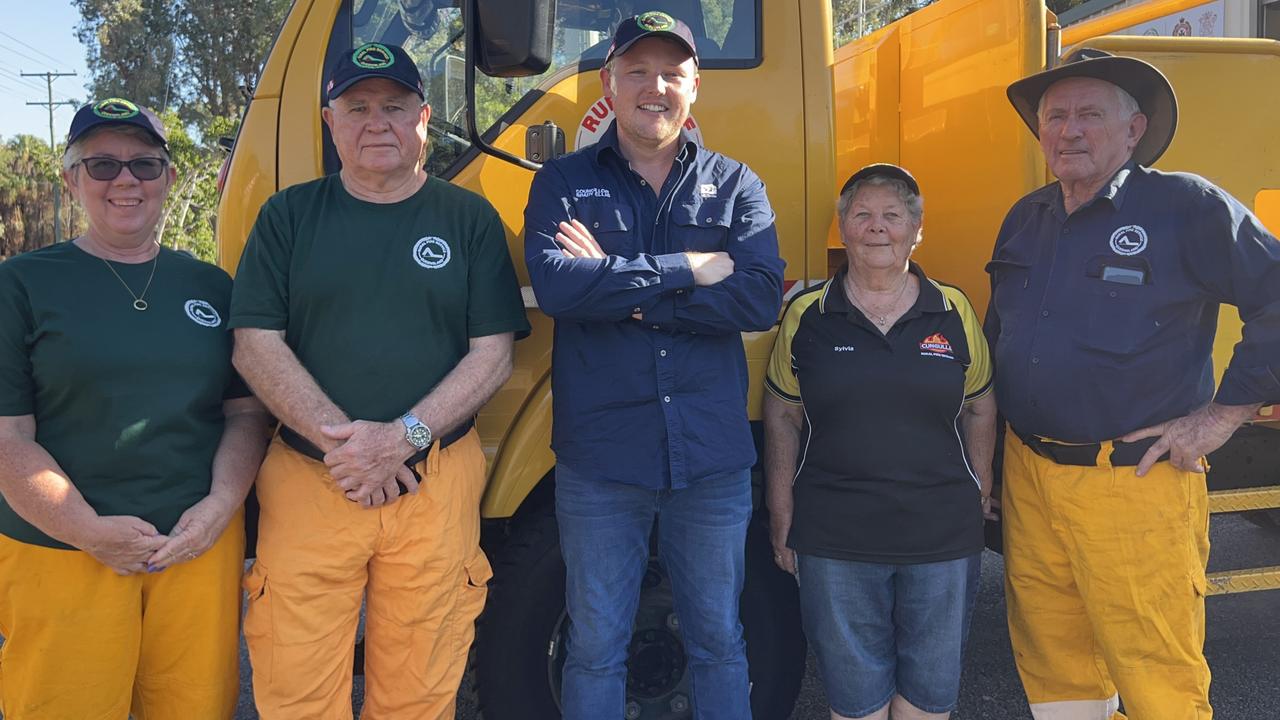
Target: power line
[[49, 77], [15, 77], [51, 58]]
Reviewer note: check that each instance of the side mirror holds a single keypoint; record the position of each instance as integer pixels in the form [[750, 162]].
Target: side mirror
[[514, 38]]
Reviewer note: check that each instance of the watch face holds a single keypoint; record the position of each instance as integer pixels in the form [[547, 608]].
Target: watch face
[[419, 436]]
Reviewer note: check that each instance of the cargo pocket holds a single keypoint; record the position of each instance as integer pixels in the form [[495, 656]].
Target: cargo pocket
[[257, 621], [471, 597]]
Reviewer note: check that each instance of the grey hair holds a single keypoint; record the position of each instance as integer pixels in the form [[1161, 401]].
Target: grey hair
[[914, 202], [1128, 105], [75, 151]]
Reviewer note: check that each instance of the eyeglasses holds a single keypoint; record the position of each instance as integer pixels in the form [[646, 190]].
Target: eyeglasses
[[105, 168]]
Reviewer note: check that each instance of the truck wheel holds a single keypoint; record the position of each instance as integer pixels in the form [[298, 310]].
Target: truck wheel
[[520, 649]]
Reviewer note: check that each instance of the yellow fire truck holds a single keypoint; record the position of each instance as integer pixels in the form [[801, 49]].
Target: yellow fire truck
[[925, 91]]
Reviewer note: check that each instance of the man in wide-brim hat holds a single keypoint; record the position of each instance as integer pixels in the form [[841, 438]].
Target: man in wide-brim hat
[[1105, 293]]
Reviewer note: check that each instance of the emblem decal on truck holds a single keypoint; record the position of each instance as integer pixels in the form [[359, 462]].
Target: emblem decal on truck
[[431, 252], [1129, 240]]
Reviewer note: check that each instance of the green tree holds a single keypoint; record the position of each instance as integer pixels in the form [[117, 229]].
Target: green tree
[[130, 48], [28, 179]]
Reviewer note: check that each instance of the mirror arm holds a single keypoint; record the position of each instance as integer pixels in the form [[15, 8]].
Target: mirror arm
[[471, 20]]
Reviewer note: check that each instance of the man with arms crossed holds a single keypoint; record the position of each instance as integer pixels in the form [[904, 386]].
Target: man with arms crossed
[[652, 254]]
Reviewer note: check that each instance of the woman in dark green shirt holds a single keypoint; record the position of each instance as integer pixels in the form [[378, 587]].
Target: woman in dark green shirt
[[127, 446]]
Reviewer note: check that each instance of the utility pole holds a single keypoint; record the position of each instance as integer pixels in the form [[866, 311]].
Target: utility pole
[[53, 145]]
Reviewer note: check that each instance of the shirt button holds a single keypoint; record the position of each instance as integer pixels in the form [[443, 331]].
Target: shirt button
[[595, 224], [1035, 361], [662, 353], [1066, 231], [643, 183], [1043, 313], [666, 398], [655, 327], [635, 310], [707, 221], [1111, 294]]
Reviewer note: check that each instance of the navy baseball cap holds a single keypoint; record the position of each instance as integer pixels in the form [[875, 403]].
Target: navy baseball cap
[[883, 170], [116, 111], [372, 60], [651, 24]]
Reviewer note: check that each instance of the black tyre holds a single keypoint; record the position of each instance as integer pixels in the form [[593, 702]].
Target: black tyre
[[520, 639]]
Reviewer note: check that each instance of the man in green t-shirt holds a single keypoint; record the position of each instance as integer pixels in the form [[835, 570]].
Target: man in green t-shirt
[[374, 313]]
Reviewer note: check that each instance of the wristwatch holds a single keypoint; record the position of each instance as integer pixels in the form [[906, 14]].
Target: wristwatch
[[416, 431]]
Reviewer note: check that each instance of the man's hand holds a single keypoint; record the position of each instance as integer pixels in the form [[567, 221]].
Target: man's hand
[[369, 459], [783, 556], [1189, 438], [121, 542], [197, 530], [709, 268], [576, 240]]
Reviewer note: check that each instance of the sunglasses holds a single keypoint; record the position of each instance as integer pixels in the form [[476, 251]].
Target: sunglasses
[[104, 168]]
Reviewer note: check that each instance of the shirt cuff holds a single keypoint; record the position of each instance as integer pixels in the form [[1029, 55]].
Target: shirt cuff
[[1246, 386], [675, 270]]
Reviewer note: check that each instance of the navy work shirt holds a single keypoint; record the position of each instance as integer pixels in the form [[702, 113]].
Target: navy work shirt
[[1102, 322], [658, 402]]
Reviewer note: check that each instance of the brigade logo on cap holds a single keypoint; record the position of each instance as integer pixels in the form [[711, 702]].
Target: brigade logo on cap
[[1129, 240], [431, 252], [655, 21], [202, 313], [373, 56], [115, 109]]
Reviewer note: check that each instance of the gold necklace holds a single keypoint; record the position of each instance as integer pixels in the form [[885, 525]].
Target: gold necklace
[[877, 318], [139, 303]]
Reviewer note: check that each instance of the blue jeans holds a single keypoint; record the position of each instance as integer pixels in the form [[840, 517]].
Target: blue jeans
[[880, 630], [604, 536]]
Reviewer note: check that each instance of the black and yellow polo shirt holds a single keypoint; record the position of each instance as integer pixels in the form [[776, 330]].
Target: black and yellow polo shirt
[[883, 473]]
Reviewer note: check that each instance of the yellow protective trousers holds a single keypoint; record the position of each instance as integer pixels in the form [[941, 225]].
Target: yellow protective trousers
[[417, 562], [1105, 584], [83, 642]]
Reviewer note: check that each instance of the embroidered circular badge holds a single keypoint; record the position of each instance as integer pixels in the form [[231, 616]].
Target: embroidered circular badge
[[373, 56], [431, 252], [655, 21], [1129, 240], [115, 109], [202, 313]]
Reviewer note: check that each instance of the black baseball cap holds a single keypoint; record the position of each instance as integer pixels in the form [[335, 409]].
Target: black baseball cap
[[116, 111], [883, 170], [372, 60], [651, 24]]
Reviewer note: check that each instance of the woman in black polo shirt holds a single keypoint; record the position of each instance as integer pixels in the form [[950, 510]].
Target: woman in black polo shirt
[[880, 426], [126, 449]]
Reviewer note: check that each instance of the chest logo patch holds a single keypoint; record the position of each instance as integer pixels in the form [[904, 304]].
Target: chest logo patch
[[202, 313], [431, 252], [937, 345], [1129, 240]]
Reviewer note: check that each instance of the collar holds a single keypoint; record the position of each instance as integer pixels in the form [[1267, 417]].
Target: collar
[[609, 141], [930, 299], [1113, 191]]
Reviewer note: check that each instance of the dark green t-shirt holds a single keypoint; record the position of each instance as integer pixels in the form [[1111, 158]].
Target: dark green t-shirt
[[377, 301], [128, 403]]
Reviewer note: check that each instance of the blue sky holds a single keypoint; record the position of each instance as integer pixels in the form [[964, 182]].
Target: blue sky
[[38, 36]]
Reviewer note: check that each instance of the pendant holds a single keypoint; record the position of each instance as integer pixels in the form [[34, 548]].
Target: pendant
[[139, 304]]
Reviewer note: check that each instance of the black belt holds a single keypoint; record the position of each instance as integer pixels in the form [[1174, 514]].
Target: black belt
[[1123, 454], [290, 437]]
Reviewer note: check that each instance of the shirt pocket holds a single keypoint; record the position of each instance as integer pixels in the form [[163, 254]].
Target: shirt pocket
[[1010, 290], [701, 225], [1122, 319], [611, 223]]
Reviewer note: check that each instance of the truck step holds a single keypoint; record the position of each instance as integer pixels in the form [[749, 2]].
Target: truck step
[[1259, 498], [1238, 581]]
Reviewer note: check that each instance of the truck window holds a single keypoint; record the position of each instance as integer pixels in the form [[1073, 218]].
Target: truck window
[[727, 32], [852, 19]]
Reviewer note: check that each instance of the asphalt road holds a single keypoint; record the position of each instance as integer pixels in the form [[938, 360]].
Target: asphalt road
[[1242, 644]]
